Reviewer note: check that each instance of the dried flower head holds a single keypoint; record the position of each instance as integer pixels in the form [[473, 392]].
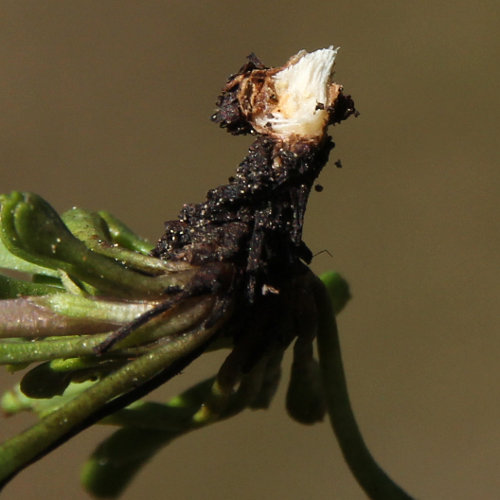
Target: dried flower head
[[303, 93], [295, 102]]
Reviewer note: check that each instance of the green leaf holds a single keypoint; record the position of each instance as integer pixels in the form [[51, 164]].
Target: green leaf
[[92, 229], [42, 382], [117, 460], [15, 401], [124, 236], [338, 289], [13, 287]]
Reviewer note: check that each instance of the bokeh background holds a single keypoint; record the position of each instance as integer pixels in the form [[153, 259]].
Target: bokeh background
[[106, 104]]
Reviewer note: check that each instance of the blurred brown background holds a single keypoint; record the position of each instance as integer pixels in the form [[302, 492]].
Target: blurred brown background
[[106, 104]]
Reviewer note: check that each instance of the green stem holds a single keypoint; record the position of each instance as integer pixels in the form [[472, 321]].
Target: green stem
[[370, 476], [184, 318], [151, 426], [173, 416], [43, 350], [124, 236], [13, 353], [23, 449], [148, 428]]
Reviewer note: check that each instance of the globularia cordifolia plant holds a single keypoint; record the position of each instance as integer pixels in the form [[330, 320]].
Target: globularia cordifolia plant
[[104, 317]]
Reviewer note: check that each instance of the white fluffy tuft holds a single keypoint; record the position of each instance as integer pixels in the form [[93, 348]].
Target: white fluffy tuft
[[300, 87]]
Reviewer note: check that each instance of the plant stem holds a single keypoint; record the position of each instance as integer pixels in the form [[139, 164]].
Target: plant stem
[[23, 449], [370, 476], [148, 427]]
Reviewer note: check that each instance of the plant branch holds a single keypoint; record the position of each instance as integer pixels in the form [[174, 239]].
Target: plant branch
[[370, 476], [55, 428]]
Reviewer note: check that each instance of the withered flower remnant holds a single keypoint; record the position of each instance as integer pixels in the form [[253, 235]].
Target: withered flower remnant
[[255, 221], [293, 102]]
